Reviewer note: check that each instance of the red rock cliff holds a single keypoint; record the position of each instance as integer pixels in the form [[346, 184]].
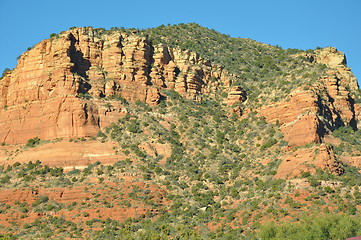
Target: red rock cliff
[[313, 111], [46, 95]]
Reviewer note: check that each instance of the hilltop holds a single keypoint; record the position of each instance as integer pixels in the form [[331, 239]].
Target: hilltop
[[177, 131]]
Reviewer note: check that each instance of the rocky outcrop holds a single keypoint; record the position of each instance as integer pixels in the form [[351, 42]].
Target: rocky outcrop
[[65, 85], [330, 56], [128, 65], [329, 160], [297, 117], [313, 111], [307, 160], [65, 154], [236, 95]]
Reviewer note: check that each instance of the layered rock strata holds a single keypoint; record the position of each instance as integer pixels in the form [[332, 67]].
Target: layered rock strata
[[66, 85], [312, 112], [307, 160]]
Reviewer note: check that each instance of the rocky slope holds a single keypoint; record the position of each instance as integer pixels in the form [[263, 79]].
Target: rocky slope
[[311, 113], [46, 95], [169, 134]]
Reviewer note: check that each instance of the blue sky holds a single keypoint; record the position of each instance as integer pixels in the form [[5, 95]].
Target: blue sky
[[303, 24]]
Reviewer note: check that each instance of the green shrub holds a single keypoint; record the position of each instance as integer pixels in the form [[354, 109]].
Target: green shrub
[[314, 182], [134, 127], [74, 172], [54, 35], [6, 70], [322, 228], [33, 142], [268, 143]]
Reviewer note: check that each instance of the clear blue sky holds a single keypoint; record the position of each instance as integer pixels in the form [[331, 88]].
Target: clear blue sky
[[288, 23]]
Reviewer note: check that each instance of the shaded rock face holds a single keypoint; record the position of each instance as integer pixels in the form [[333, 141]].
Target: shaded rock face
[[312, 112], [47, 94]]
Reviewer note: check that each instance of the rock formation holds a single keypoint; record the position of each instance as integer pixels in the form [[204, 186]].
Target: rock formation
[[330, 56], [75, 84], [307, 159], [312, 112], [48, 94], [236, 95]]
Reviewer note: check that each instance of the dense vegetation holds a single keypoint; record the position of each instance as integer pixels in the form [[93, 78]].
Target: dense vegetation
[[326, 227], [216, 186]]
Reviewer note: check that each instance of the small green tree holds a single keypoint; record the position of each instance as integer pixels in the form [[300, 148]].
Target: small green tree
[[4, 72], [33, 142]]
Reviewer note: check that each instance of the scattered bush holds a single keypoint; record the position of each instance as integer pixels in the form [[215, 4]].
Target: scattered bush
[[33, 142]]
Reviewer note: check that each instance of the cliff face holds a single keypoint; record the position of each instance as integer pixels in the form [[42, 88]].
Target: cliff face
[[313, 111], [47, 94]]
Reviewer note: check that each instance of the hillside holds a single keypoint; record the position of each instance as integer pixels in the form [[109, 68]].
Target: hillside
[[178, 132]]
